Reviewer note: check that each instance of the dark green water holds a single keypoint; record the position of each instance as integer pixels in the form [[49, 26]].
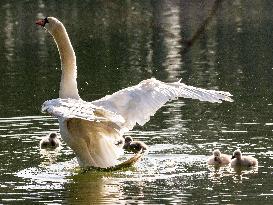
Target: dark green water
[[118, 44]]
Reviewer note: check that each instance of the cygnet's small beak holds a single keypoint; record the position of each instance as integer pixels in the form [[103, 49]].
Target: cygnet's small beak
[[233, 157], [41, 22]]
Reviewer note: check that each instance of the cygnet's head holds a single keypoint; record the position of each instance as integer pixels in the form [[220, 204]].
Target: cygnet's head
[[53, 136], [128, 140], [237, 154], [216, 153], [50, 24]]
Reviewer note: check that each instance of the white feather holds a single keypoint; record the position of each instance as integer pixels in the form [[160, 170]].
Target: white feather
[[80, 109], [137, 103]]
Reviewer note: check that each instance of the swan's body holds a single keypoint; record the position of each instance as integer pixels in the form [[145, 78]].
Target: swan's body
[[238, 160], [218, 158], [50, 142], [93, 129]]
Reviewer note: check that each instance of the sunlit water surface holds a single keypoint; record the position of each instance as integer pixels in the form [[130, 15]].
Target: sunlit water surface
[[118, 45]]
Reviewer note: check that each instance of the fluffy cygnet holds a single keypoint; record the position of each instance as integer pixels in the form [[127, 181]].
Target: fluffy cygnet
[[239, 160], [134, 146], [219, 159], [50, 142]]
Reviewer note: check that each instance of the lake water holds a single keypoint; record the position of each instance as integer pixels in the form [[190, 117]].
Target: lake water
[[118, 44]]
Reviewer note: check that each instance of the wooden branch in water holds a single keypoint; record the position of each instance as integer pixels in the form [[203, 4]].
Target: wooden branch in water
[[201, 29]]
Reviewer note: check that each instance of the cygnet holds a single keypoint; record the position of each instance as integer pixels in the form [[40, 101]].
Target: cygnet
[[50, 142], [219, 159], [239, 160], [134, 146]]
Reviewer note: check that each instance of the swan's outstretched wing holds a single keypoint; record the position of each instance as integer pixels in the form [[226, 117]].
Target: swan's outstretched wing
[[137, 103], [93, 133], [72, 108]]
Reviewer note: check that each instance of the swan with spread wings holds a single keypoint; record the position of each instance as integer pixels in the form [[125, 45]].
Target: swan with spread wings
[[94, 130]]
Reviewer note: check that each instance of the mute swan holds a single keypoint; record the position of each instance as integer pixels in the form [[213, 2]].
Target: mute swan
[[245, 161], [134, 146], [93, 130], [50, 141], [218, 158]]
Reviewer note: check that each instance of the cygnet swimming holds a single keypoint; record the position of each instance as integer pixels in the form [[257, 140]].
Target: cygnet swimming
[[134, 146], [218, 158], [239, 160], [50, 142]]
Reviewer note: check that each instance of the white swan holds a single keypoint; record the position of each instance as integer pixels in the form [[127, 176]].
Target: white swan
[[94, 129], [218, 158]]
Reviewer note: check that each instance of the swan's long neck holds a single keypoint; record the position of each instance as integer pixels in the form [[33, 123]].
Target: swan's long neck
[[68, 85]]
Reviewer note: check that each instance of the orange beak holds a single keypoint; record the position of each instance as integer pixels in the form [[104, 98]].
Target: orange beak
[[41, 22]]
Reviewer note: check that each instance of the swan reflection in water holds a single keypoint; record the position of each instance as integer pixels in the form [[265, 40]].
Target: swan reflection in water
[[93, 187]]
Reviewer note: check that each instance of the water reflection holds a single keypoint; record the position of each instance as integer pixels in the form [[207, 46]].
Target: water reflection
[[237, 174], [166, 19], [244, 171], [127, 185], [93, 187], [49, 156], [9, 31]]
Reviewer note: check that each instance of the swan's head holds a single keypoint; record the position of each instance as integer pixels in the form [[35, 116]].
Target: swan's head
[[51, 24], [237, 154]]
